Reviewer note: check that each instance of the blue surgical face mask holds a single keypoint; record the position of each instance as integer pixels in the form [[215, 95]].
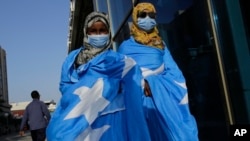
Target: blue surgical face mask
[[146, 23], [98, 41]]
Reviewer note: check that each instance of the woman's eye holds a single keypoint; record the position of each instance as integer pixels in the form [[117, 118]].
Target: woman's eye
[[93, 31], [103, 31], [97, 31]]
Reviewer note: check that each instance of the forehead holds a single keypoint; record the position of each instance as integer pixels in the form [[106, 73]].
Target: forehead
[[146, 10], [98, 24]]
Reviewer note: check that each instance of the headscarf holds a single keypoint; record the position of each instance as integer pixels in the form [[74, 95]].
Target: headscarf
[[89, 51], [141, 36]]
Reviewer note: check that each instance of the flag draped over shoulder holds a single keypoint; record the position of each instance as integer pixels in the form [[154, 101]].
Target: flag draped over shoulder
[[167, 110], [101, 100]]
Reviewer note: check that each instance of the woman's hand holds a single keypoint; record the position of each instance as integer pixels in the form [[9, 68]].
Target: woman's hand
[[21, 133], [147, 90]]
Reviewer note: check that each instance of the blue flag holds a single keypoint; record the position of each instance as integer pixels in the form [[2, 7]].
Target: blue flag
[[101, 100], [167, 110]]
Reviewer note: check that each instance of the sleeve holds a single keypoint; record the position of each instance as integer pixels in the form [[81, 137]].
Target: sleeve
[[24, 119], [46, 112]]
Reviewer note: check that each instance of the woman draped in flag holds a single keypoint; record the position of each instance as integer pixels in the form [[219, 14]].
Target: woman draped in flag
[[101, 91], [165, 100]]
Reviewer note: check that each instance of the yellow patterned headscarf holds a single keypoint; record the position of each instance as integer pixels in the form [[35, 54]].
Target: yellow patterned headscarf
[[150, 39]]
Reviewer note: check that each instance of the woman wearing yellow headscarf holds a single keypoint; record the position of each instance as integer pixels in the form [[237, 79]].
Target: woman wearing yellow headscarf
[[144, 28], [165, 98]]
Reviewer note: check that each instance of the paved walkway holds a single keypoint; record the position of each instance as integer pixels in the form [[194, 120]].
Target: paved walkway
[[15, 137]]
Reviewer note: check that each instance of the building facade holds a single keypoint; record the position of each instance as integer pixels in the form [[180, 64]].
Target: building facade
[[4, 97], [17, 109], [210, 41]]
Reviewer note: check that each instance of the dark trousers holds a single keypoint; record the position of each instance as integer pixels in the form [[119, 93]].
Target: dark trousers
[[38, 135]]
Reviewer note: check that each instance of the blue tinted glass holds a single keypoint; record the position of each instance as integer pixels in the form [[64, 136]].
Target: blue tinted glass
[[167, 9], [118, 11], [101, 5]]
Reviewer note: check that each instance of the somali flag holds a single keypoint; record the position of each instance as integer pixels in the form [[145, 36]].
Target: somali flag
[[167, 110], [101, 101]]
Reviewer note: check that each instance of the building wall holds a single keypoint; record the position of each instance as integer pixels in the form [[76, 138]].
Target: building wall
[[4, 96], [3, 76], [17, 109]]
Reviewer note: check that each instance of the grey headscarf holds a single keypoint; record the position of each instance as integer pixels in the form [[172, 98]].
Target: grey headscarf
[[89, 51]]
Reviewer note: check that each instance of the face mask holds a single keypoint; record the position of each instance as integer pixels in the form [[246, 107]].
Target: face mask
[[146, 23], [98, 41]]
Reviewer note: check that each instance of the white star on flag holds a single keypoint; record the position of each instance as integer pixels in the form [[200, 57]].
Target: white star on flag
[[92, 134], [185, 98], [129, 63], [182, 84], [91, 102]]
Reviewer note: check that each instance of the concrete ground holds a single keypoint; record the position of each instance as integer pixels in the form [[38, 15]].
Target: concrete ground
[[16, 137]]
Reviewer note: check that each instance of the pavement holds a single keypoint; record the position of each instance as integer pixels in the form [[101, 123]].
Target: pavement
[[14, 136]]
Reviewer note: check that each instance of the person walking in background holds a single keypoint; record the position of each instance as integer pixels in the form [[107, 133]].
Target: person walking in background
[[37, 116], [101, 91], [165, 97]]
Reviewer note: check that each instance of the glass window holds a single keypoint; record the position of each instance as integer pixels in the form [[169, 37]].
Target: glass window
[[167, 9], [101, 5], [118, 10]]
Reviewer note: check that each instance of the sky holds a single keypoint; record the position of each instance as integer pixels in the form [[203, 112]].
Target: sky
[[34, 34]]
